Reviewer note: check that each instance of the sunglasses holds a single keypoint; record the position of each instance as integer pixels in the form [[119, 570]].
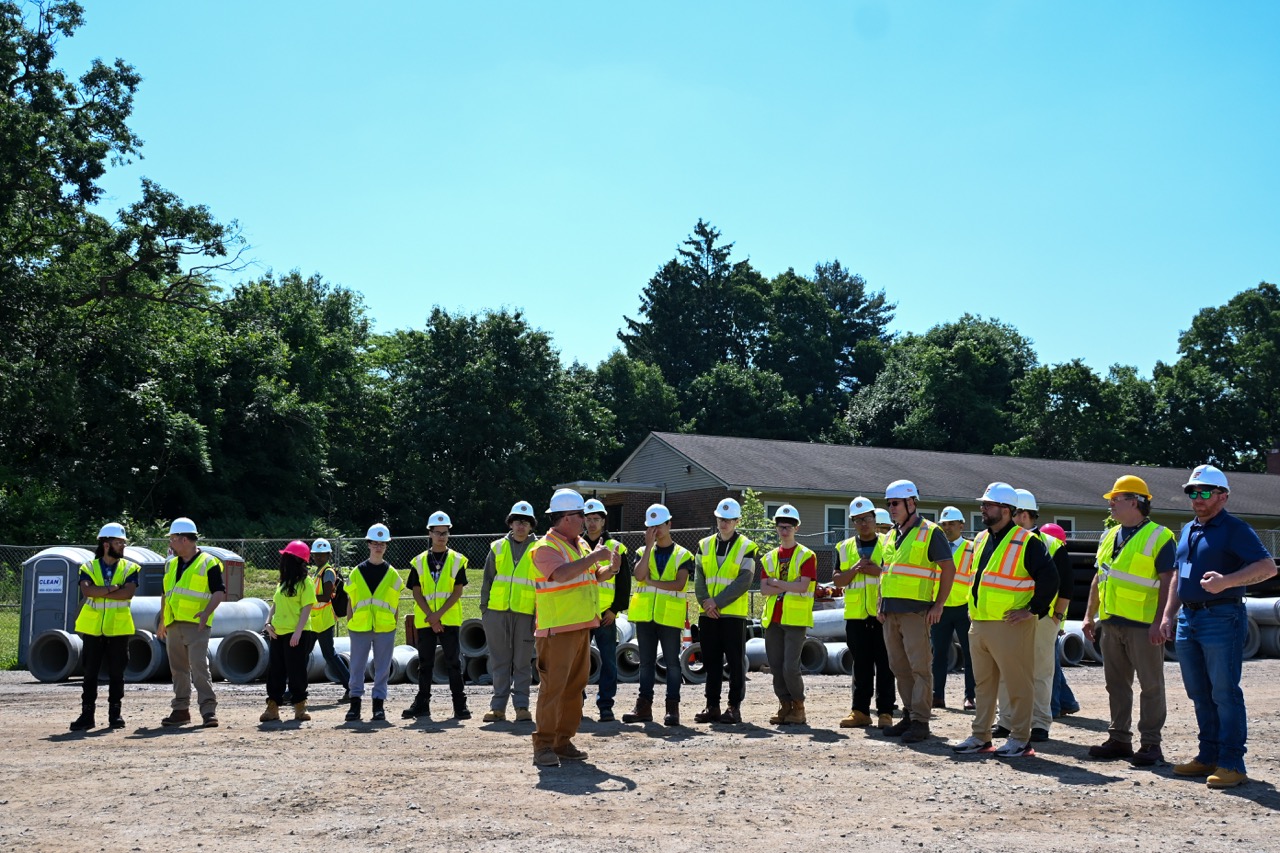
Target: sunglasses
[[897, 503], [1203, 494], [786, 524]]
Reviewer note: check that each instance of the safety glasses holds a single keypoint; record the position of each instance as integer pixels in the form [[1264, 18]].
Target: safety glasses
[[1202, 494]]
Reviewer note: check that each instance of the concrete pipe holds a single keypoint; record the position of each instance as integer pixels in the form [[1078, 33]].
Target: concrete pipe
[[148, 658], [626, 631], [315, 665], [145, 610], [954, 656], [660, 666], [215, 674], [828, 625], [692, 667], [1070, 649], [1170, 650], [346, 658], [400, 657], [813, 656], [1091, 652], [839, 659], [247, 614], [472, 640], [439, 672], [628, 657], [1269, 641], [55, 655], [242, 656], [757, 659], [1252, 640], [1264, 611], [755, 630], [476, 670], [596, 662]]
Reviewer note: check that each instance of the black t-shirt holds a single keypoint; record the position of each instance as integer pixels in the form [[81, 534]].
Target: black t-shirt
[[373, 574], [214, 575], [939, 550], [435, 564], [108, 572]]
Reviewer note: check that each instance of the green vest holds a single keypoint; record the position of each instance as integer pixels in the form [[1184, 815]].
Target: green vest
[[907, 570], [965, 567], [720, 575], [797, 607], [862, 595], [609, 587], [1051, 544], [1128, 583], [665, 606], [1005, 584], [107, 617], [322, 617], [374, 610], [436, 592], [512, 588], [569, 604], [186, 598]]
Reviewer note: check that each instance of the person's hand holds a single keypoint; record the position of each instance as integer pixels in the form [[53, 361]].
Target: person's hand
[[935, 613], [606, 618], [710, 609], [203, 621], [1088, 628], [1214, 582], [293, 641], [1156, 633], [650, 536], [1015, 616], [1168, 629], [271, 631], [161, 630]]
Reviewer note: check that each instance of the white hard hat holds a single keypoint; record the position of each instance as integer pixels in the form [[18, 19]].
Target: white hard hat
[[950, 513], [594, 505], [1208, 475], [521, 508], [566, 500], [787, 512], [656, 514], [728, 508], [860, 505], [112, 530], [1000, 493], [183, 525], [378, 533], [1026, 500], [321, 546], [902, 489], [439, 518], [882, 517]]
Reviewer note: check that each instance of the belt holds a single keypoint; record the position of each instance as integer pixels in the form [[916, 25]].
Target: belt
[[1213, 602]]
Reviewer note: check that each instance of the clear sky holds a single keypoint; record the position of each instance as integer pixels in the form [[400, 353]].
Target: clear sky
[[1091, 172]]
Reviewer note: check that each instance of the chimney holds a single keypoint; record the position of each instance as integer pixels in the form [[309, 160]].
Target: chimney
[[1273, 460]]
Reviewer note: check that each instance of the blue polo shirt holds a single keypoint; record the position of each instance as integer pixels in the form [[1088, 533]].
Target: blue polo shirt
[[1223, 544]]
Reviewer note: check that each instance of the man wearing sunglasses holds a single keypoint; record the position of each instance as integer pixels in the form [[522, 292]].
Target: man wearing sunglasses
[[1218, 555]]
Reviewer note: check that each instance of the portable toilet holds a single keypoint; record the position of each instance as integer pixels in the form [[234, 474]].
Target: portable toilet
[[232, 570], [151, 565], [50, 593]]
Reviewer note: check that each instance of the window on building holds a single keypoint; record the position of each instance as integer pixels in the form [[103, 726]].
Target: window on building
[[1067, 523], [770, 508], [975, 521], [931, 514], [837, 523]]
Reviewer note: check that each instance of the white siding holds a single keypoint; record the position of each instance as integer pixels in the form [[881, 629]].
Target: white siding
[[658, 463]]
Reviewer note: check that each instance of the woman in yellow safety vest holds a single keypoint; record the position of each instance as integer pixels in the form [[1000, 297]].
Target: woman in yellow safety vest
[[374, 588], [105, 624], [437, 579], [790, 576], [287, 621], [659, 610]]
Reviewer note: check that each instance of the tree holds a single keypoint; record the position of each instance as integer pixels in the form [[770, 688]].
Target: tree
[[732, 400], [639, 398], [1062, 412]]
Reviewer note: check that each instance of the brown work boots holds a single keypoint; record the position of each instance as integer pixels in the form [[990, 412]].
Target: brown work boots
[[642, 713]]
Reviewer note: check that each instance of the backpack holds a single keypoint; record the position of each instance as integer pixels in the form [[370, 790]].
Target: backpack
[[341, 601]]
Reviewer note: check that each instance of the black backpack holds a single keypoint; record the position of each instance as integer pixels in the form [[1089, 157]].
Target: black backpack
[[341, 601]]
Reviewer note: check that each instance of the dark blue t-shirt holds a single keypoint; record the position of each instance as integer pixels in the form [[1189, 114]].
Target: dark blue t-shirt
[[1223, 544]]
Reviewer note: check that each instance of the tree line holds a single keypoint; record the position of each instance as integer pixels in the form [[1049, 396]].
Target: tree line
[[134, 386]]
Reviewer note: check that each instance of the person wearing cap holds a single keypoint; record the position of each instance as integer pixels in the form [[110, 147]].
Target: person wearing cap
[[1014, 581], [914, 586], [1128, 596], [193, 589], [567, 575], [105, 624], [323, 624], [437, 579], [506, 609], [789, 575], [723, 572], [375, 588], [287, 620], [659, 610], [955, 614], [1217, 556], [861, 559], [884, 522], [614, 596]]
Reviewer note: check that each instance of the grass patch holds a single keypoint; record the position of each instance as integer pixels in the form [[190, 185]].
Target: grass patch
[[10, 621]]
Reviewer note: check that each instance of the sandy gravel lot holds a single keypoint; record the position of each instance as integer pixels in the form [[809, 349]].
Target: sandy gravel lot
[[471, 786]]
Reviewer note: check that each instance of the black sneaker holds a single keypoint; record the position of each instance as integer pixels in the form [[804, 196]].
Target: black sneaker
[[1039, 735], [462, 713], [999, 731], [606, 715]]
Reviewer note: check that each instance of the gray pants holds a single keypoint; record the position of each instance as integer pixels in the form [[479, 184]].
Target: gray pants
[[1127, 651], [188, 647], [782, 645], [382, 645], [510, 638]]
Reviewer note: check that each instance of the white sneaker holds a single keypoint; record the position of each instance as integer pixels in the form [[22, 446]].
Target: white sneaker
[[1015, 749], [972, 746]]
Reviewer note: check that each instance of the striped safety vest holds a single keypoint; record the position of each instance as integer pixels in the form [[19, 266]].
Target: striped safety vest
[[1005, 584], [797, 607]]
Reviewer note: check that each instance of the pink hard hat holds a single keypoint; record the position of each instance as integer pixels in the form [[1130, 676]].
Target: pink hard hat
[[1055, 531], [299, 549]]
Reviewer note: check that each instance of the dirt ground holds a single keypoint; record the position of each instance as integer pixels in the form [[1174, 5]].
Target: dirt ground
[[472, 786]]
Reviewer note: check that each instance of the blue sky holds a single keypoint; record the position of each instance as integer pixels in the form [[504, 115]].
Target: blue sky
[[1091, 172]]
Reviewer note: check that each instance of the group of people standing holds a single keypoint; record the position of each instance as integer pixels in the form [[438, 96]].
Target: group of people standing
[[910, 586]]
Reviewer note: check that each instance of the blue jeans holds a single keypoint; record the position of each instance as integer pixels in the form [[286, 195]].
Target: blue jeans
[[606, 637], [1210, 651], [648, 636], [954, 622], [1064, 699]]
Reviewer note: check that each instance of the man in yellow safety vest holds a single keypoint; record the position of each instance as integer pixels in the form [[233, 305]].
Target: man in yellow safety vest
[[105, 624], [193, 589], [506, 609]]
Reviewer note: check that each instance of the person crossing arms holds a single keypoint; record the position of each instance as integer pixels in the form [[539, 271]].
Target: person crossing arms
[[723, 572], [790, 574], [861, 560], [105, 625]]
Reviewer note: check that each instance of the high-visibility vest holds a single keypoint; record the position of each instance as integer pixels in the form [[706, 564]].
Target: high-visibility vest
[[374, 610], [436, 592], [1128, 583], [566, 604], [186, 598], [107, 617], [965, 567], [512, 588], [668, 607], [719, 575], [322, 617], [862, 595], [609, 587], [797, 607], [1005, 584], [1051, 544], [908, 573]]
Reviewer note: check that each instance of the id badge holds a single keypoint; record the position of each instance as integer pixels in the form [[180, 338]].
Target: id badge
[[1184, 569]]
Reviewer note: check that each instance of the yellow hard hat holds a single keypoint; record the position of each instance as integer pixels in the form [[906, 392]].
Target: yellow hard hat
[[1129, 485]]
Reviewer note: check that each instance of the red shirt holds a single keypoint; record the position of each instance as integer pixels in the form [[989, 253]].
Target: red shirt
[[808, 570]]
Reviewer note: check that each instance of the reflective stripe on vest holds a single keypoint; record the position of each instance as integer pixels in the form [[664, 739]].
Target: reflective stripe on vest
[[566, 604], [668, 607], [1128, 583], [107, 617], [797, 607], [513, 584], [907, 570], [862, 595], [374, 610], [1005, 584], [322, 616], [719, 575], [437, 592], [185, 599], [965, 567]]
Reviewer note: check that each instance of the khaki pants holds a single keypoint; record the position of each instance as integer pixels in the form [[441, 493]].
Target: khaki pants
[[1002, 656], [188, 647], [1045, 646], [906, 639], [564, 664], [1126, 650]]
